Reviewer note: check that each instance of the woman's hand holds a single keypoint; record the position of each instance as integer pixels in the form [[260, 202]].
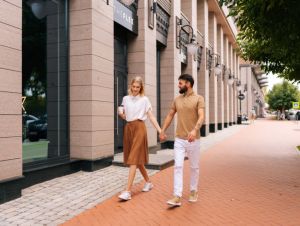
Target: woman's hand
[[154, 121], [162, 136], [122, 115]]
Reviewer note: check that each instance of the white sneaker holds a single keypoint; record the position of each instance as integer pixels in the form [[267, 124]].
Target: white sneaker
[[148, 186], [125, 195], [175, 201]]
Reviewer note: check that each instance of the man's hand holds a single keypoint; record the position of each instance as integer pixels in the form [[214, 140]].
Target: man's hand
[[192, 135], [162, 136]]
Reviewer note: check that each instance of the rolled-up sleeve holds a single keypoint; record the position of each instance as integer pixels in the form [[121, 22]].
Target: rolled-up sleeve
[[200, 102]]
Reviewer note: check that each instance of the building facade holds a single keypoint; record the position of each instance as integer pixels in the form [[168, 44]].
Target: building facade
[[65, 66], [253, 83]]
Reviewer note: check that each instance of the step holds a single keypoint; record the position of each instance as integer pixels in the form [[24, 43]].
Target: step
[[159, 161]]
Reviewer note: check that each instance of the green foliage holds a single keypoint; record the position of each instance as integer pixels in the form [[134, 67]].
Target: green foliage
[[269, 34], [282, 95], [35, 105]]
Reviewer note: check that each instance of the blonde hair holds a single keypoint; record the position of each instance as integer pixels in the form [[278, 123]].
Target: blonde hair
[[139, 80]]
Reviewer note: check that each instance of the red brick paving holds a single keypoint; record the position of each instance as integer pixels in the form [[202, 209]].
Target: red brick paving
[[251, 178]]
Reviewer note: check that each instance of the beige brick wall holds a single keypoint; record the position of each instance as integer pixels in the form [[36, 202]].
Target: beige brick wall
[[10, 89], [244, 78], [213, 92], [235, 102], [170, 70], [189, 8], [226, 87], [230, 87], [91, 79], [142, 62], [220, 47], [203, 77]]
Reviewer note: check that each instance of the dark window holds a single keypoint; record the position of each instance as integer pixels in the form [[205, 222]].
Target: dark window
[[45, 81]]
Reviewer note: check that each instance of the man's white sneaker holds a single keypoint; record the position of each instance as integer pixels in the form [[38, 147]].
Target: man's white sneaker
[[148, 186], [125, 195]]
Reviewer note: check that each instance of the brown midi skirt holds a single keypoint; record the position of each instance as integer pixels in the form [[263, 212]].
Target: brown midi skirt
[[135, 143]]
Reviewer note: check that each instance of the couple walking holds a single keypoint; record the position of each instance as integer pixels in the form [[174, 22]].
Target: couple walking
[[136, 108]]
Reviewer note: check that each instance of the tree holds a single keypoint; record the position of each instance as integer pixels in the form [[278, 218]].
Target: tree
[[282, 95], [269, 34]]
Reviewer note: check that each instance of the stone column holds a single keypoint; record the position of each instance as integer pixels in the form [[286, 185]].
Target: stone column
[[213, 92], [142, 62], [221, 81], [189, 8], [203, 74], [226, 87], [245, 74], [230, 57], [11, 162], [91, 80], [235, 100]]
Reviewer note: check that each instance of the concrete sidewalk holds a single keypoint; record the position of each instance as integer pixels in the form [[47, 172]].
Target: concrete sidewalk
[[251, 178], [56, 201]]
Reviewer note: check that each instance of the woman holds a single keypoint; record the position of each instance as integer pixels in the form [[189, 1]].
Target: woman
[[135, 109]]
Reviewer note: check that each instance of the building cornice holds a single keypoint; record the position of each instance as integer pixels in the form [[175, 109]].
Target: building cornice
[[213, 6]]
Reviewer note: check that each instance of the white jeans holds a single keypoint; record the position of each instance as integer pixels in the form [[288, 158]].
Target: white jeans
[[193, 152]]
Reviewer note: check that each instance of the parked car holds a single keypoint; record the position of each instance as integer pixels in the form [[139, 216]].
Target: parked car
[[244, 117], [298, 115], [26, 120], [38, 129], [292, 115]]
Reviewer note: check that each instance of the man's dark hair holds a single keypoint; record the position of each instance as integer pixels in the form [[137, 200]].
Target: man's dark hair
[[187, 78]]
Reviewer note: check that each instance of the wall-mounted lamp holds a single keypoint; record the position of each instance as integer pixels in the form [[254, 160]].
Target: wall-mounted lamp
[[192, 45], [218, 67], [153, 7], [231, 79], [213, 62], [239, 85], [245, 90], [209, 58], [199, 56], [38, 8]]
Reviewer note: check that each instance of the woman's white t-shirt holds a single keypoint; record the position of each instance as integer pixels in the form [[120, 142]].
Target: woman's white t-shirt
[[136, 107]]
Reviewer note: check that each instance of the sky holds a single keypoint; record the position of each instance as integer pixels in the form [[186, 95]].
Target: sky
[[273, 79]]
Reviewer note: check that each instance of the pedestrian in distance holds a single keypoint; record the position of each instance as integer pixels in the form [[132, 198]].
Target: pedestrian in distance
[[189, 107], [252, 116], [135, 109]]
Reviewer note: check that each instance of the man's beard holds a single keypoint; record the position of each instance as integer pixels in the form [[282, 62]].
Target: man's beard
[[183, 90]]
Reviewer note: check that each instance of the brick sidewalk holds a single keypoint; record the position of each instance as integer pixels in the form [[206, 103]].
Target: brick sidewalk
[[252, 178], [55, 201]]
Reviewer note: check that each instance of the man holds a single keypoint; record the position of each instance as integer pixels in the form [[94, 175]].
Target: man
[[190, 115]]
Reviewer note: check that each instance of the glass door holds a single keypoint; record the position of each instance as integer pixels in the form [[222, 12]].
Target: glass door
[[120, 87]]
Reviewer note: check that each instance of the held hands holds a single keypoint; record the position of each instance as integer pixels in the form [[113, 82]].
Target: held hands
[[162, 136], [192, 135]]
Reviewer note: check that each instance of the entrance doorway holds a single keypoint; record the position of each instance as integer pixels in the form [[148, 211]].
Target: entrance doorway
[[120, 82]]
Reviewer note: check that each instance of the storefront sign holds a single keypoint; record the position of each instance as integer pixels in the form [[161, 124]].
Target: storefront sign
[[125, 17], [162, 25]]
